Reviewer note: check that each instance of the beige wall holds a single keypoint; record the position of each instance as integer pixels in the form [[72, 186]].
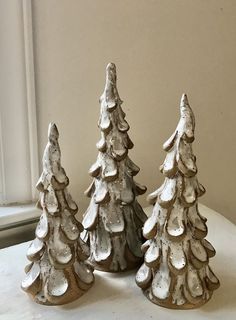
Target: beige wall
[[161, 48]]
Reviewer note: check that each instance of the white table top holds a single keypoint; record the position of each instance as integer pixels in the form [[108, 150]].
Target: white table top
[[116, 296]]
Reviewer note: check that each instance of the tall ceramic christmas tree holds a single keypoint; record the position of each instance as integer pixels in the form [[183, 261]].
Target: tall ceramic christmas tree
[[114, 218], [176, 271], [58, 273]]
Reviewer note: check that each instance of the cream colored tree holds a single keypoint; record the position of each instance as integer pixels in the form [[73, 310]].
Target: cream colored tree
[[176, 271], [58, 272], [114, 218]]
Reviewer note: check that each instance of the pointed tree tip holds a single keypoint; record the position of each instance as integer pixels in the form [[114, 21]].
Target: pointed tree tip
[[53, 131], [184, 100], [111, 65], [111, 70], [111, 74]]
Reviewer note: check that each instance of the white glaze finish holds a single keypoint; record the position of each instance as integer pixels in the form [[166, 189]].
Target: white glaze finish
[[116, 296], [114, 218], [182, 278], [52, 278]]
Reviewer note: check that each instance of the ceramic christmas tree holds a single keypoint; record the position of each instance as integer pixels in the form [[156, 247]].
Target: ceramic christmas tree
[[58, 273], [114, 218], [176, 271]]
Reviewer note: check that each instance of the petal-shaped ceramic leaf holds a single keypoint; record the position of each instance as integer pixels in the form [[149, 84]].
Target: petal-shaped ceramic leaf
[[140, 189], [60, 176], [90, 216], [94, 171], [133, 169], [101, 194], [143, 276], [168, 193], [189, 193], [170, 142], [145, 246], [150, 226], [60, 253], [102, 243], [194, 283], [211, 280], [109, 168], [198, 250], [42, 228], [104, 121], [83, 272], [112, 216], [35, 249], [69, 226], [118, 148], [161, 283], [122, 125], [51, 201], [198, 225], [128, 143], [111, 105], [177, 258], [175, 224], [71, 205], [57, 283], [209, 248], [126, 191], [201, 190], [185, 159], [169, 166], [153, 254], [31, 276], [101, 145]]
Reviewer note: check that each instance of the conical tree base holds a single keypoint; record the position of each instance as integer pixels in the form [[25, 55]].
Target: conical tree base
[[75, 291], [168, 304], [106, 268]]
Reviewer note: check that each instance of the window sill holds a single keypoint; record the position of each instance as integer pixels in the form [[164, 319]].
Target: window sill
[[18, 215]]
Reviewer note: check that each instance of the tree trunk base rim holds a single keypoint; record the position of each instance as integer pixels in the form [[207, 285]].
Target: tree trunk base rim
[[168, 305]]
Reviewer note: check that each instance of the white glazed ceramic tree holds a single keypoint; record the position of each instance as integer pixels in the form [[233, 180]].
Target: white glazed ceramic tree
[[176, 271], [114, 218], [58, 273]]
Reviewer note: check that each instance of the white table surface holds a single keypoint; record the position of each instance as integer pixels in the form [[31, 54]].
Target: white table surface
[[116, 296]]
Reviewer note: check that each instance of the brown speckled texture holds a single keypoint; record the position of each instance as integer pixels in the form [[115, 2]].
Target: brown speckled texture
[[58, 272], [114, 218], [176, 272]]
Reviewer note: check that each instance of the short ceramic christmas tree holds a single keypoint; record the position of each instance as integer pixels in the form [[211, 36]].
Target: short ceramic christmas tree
[[58, 273], [114, 218], [176, 271]]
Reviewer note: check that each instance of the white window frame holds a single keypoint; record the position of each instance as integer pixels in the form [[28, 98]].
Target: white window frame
[[24, 103], [14, 204]]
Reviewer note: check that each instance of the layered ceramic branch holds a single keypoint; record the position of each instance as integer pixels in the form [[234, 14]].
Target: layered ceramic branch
[[114, 218], [58, 272], [176, 271]]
